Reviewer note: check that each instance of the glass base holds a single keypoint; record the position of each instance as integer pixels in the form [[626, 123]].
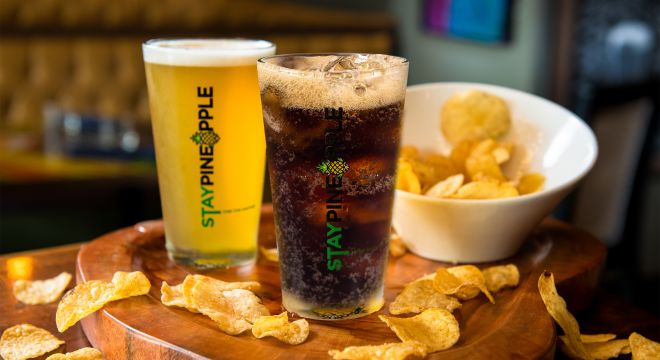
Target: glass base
[[309, 311], [211, 261]]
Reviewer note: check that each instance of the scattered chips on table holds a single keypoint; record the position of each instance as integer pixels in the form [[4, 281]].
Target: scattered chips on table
[[270, 254], [464, 281], [501, 276], [232, 305], [234, 311], [128, 284], [80, 354], [390, 351], [437, 329], [597, 349], [396, 246], [26, 341], [173, 296], [279, 327], [643, 348], [556, 306], [41, 291], [472, 121], [216, 285], [420, 295], [91, 296], [474, 115]]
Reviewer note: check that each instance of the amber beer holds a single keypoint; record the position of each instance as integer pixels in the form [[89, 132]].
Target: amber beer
[[210, 150], [333, 126]]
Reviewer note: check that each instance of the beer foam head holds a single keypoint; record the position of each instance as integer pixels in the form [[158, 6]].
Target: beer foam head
[[206, 52], [351, 81]]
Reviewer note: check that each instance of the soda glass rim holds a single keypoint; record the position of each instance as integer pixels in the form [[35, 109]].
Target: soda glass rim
[[394, 63]]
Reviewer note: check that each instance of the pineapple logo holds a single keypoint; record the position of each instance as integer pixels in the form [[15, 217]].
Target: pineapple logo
[[337, 167], [206, 137]]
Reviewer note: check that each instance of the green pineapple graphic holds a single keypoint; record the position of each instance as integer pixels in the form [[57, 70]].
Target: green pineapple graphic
[[206, 137], [336, 167]]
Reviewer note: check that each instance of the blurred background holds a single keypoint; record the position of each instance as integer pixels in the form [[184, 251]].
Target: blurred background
[[76, 156]]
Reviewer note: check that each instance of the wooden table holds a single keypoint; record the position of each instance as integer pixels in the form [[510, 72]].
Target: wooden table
[[606, 314]]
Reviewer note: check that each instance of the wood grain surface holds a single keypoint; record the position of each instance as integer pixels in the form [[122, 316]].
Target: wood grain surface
[[38, 264], [517, 326]]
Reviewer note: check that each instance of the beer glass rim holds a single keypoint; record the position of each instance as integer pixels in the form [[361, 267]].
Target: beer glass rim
[[206, 51], [399, 63]]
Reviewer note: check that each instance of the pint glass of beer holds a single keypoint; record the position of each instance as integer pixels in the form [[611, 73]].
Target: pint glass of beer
[[210, 148], [333, 126]]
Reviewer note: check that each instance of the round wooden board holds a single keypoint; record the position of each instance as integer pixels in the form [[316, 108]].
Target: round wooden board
[[517, 326]]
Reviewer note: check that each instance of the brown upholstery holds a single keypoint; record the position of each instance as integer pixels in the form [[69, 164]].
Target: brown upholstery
[[85, 56]]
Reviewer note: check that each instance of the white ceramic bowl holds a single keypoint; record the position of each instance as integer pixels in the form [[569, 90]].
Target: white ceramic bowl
[[558, 144]]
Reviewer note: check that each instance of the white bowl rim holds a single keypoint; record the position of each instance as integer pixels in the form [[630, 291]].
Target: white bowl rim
[[567, 184]]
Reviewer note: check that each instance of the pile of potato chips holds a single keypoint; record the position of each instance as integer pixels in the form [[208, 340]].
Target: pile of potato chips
[[587, 347], [433, 298], [472, 121], [234, 307]]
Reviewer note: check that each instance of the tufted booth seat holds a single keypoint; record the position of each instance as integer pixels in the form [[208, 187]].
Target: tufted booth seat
[[85, 55]]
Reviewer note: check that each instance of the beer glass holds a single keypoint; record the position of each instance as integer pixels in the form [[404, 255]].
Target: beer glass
[[333, 124], [210, 149]]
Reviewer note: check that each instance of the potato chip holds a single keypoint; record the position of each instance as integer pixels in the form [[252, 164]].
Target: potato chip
[[278, 326], [502, 154], [433, 169], [90, 296], [643, 348], [406, 179], [585, 338], [474, 115], [556, 306], [218, 285], [80, 354], [420, 295], [463, 281], [173, 296], [448, 284], [270, 254], [606, 349], [234, 311], [531, 183], [129, 284], [409, 152], [498, 277], [41, 291], [446, 187], [485, 190], [26, 341], [483, 147], [484, 167], [389, 351], [437, 329], [460, 153], [81, 301], [396, 246]]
